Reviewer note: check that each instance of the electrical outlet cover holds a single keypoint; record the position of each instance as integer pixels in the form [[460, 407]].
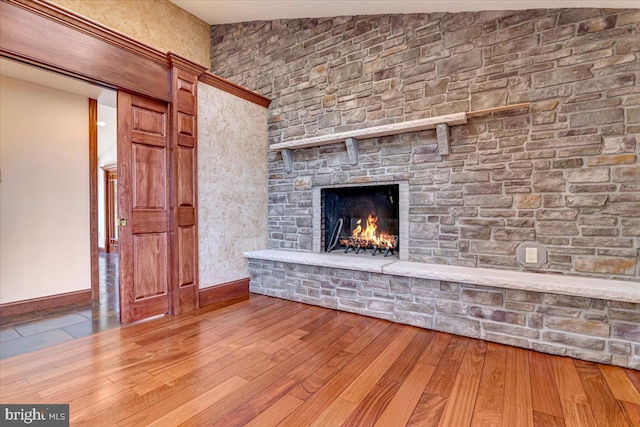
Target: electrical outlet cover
[[526, 250], [531, 255]]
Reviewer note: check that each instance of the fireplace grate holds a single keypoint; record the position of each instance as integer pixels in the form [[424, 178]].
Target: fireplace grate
[[362, 245], [349, 243]]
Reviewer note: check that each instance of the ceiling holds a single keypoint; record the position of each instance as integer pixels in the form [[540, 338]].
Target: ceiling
[[106, 97], [50, 79], [228, 11]]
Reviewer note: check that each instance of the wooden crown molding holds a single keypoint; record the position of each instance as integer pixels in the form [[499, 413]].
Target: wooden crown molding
[[185, 64], [234, 89], [85, 25], [76, 22], [41, 34]]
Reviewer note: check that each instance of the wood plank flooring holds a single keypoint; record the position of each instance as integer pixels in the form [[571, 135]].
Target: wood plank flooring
[[265, 362]]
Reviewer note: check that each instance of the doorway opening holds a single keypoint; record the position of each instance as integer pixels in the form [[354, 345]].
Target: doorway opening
[[106, 290], [49, 171]]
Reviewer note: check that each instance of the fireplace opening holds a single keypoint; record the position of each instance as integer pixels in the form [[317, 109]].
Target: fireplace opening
[[361, 219]]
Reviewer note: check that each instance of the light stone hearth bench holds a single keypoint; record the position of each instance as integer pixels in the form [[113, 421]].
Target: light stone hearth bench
[[586, 318]]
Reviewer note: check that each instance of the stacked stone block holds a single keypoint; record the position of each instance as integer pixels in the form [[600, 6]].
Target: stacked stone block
[[583, 328], [563, 173]]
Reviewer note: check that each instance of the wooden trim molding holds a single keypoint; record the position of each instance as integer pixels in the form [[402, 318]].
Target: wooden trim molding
[[39, 36], [50, 36], [185, 64], [43, 303], [234, 89], [224, 292], [94, 29], [93, 195]]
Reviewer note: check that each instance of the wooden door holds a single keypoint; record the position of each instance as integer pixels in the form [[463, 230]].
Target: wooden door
[[143, 202], [111, 209]]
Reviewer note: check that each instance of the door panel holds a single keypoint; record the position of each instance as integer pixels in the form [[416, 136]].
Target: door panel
[[149, 126], [187, 216], [186, 255], [186, 127], [185, 177], [150, 265], [149, 168], [143, 185], [148, 221]]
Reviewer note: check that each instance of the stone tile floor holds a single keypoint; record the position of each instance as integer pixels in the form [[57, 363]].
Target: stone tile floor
[[39, 329]]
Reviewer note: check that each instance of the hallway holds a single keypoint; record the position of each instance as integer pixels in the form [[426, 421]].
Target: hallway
[[40, 329]]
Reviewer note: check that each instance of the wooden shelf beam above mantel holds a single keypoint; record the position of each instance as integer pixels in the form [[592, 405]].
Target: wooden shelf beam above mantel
[[374, 132], [440, 123]]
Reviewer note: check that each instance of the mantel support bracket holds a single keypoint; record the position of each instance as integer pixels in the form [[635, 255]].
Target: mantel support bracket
[[444, 135], [287, 157], [352, 150]]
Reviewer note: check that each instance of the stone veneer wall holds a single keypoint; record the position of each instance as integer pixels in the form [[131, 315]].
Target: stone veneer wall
[[584, 328], [563, 173]]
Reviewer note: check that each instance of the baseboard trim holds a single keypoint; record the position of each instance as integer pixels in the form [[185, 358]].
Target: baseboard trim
[[224, 292], [43, 303]]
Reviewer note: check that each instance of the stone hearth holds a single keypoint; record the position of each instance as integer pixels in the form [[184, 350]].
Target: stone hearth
[[590, 319]]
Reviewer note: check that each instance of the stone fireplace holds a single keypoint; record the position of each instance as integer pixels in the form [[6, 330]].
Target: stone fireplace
[[343, 214], [460, 224], [561, 177]]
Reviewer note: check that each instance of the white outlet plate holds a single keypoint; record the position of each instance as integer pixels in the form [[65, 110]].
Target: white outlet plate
[[531, 255]]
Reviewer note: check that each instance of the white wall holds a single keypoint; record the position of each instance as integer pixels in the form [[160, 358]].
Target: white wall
[[232, 184], [44, 193], [107, 156]]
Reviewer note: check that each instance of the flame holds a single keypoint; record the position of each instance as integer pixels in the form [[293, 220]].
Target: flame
[[370, 235], [358, 230]]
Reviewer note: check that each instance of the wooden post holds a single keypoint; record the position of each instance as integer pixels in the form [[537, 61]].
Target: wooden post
[[183, 200]]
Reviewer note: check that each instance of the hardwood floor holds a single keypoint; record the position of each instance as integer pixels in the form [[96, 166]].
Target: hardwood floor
[[263, 361]]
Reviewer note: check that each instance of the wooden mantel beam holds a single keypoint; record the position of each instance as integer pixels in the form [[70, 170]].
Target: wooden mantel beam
[[374, 132], [392, 129], [351, 138]]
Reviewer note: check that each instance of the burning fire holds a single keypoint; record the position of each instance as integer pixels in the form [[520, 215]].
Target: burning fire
[[370, 235]]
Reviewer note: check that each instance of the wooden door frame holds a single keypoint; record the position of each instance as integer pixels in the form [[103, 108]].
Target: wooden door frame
[[72, 45], [93, 196], [108, 59]]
